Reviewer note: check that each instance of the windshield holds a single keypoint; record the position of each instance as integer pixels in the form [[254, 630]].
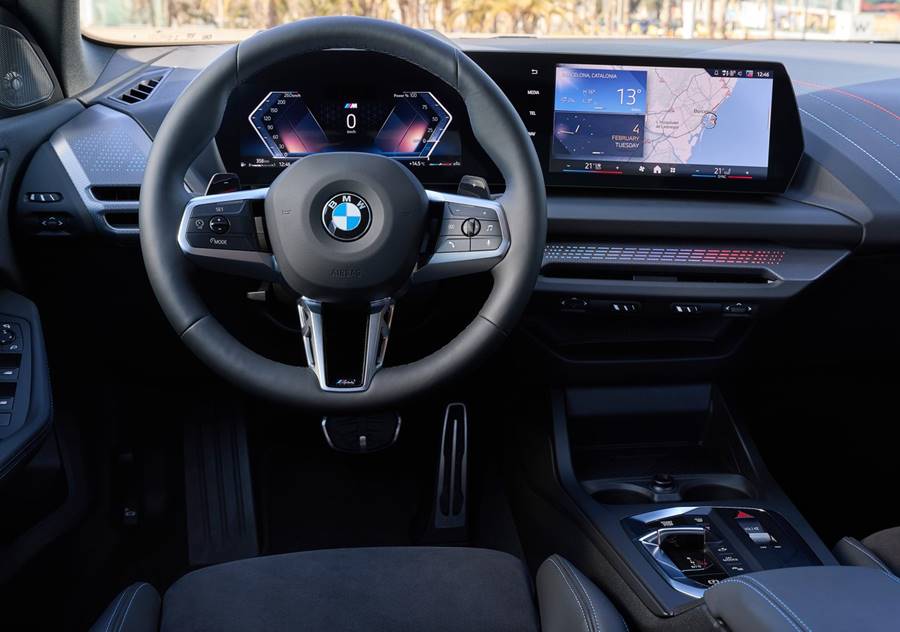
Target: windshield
[[208, 21]]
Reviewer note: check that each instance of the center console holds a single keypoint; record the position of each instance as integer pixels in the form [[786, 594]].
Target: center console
[[698, 547], [672, 485]]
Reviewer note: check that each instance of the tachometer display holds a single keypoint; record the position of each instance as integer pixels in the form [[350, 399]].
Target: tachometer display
[[407, 126]]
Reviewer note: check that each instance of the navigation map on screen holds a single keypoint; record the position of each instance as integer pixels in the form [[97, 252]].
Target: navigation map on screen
[[662, 121]]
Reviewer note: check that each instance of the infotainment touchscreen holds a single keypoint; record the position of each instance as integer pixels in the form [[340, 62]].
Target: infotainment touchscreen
[[662, 122]]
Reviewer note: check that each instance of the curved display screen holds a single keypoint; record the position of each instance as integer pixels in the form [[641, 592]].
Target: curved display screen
[[662, 121], [595, 120]]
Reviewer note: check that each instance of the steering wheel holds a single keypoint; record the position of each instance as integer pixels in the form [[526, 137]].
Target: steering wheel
[[346, 232]]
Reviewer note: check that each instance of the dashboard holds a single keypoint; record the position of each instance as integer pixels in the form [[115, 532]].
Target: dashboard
[[596, 121], [680, 261]]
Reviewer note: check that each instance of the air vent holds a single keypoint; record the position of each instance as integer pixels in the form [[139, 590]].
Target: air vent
[[116, 194], [140, 91]]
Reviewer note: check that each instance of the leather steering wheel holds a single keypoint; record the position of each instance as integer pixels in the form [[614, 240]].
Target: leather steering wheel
[[346, 232]]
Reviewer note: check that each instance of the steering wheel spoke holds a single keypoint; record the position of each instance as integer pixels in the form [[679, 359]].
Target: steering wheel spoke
[[220, 232], [473, 237], [345, 344]]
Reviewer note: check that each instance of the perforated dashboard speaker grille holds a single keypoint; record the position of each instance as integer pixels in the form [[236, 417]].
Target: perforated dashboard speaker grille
[[23, 79]]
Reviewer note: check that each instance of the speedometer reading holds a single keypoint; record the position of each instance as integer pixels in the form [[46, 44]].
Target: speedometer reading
[[406, 125]]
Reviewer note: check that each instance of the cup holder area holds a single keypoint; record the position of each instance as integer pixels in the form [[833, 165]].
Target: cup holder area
[[706, 492], [623, 494], [709, 488]]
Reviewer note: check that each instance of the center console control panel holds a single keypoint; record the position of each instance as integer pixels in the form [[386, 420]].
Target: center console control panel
[[697, 547]]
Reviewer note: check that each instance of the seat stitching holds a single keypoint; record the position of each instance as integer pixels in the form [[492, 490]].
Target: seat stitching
[[130, 601], [734, 580], [776, 598], [112, 616], [586, 596], [572, 590], [868, 554]]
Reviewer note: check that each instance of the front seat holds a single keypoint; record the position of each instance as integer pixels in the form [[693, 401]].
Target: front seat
[[392, 589], [880, 550]]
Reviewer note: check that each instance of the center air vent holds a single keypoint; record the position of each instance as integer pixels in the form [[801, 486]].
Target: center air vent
[[116, 193], [141, 90]]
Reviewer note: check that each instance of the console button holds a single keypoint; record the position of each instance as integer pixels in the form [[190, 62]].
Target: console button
[[755, 531], [708, 579], [721, 549], [450, 244], [485, 243], [9, 375], [6, 404], [220, 242], [5, 418]]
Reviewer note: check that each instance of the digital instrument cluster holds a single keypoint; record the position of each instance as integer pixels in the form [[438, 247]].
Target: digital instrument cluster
[[346, 101], [406, 125]]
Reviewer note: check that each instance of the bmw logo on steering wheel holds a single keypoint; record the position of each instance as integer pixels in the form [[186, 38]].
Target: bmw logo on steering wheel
[[347, 216]]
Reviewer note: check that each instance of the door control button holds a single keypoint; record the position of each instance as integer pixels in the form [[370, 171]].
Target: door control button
[[6, 404], [5, 418], [9, 374]]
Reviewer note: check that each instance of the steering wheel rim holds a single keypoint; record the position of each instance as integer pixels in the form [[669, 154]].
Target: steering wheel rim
[[193, 122]]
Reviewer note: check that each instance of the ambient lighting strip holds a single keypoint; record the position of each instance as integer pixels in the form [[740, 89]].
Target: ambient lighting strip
[[596, 253]]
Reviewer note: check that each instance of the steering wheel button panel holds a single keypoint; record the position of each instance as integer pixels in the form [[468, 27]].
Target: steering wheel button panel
[[228, 217]]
